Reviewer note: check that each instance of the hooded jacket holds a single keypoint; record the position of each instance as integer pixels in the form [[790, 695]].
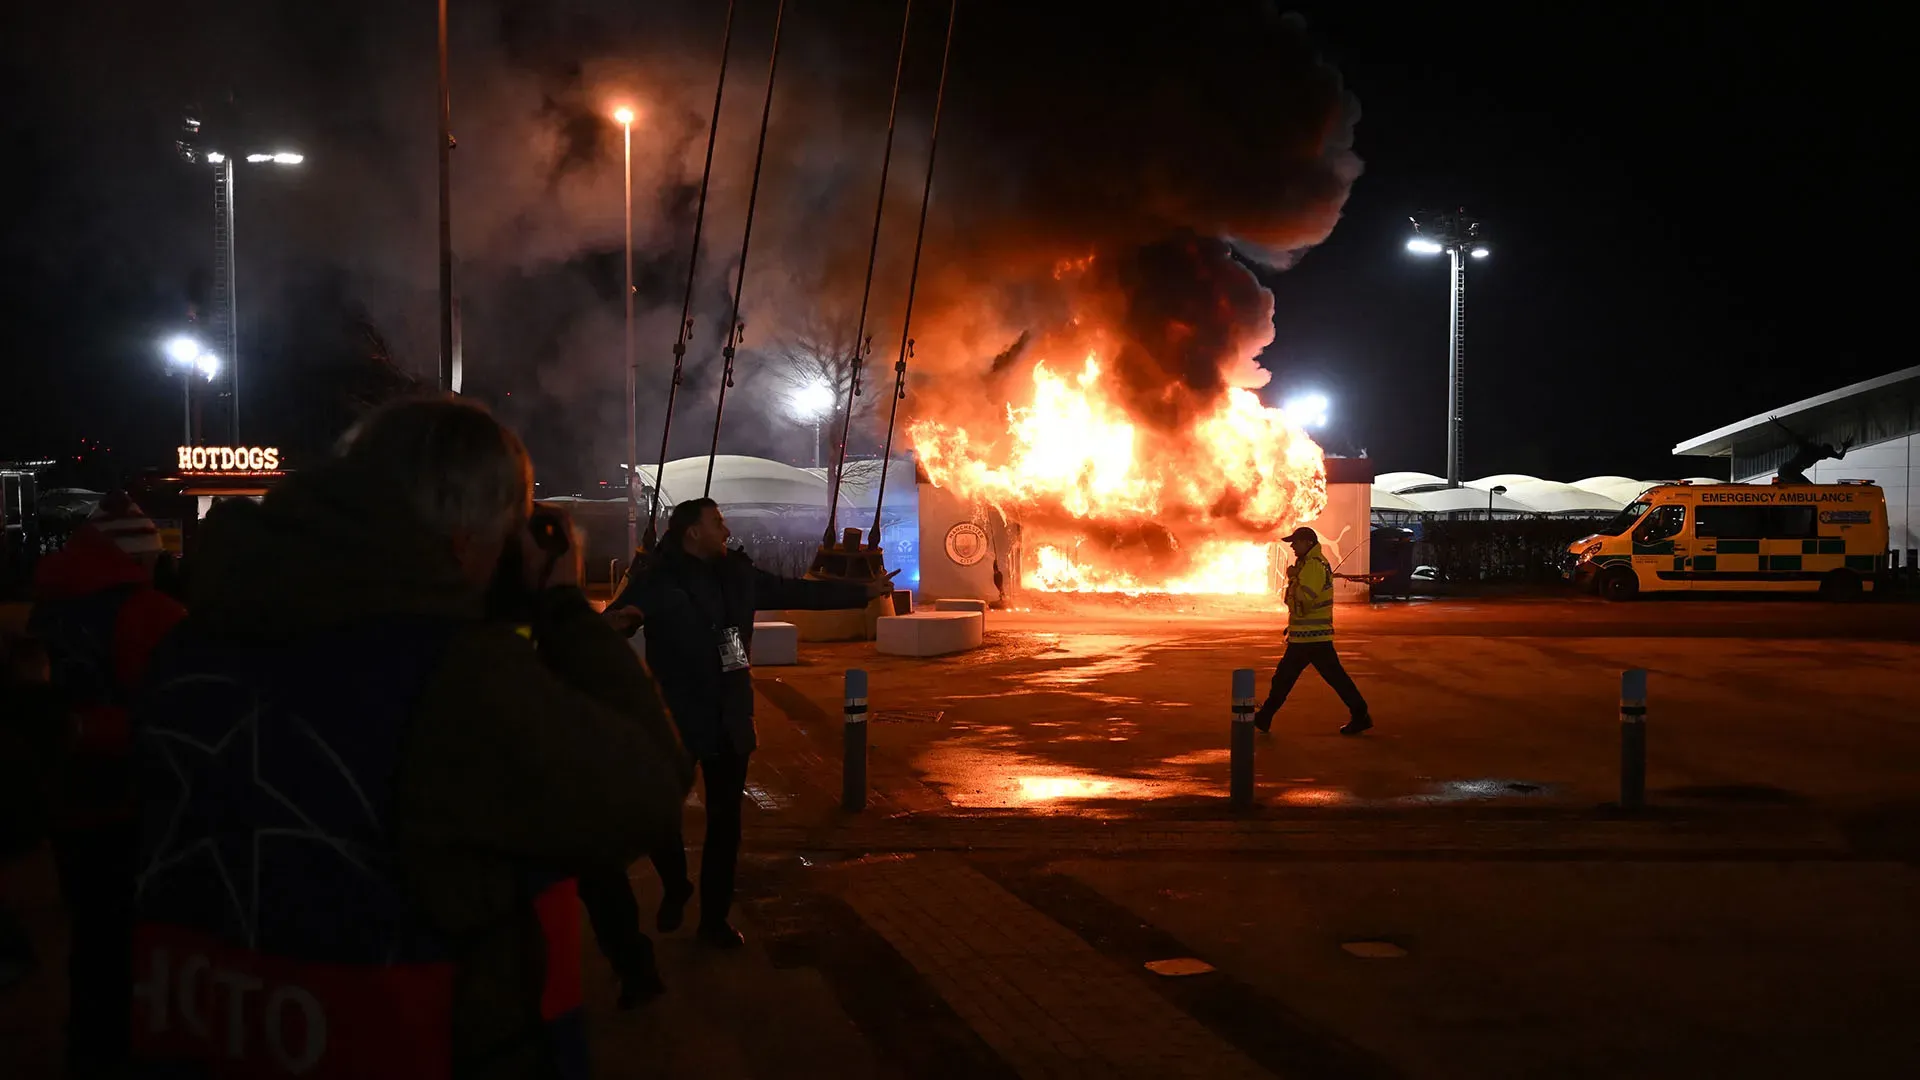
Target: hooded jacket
[[513, 758], [689, 603]]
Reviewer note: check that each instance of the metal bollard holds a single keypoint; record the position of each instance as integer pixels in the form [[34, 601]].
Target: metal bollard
[[1241, 776], [853, 731], [1633, 739]]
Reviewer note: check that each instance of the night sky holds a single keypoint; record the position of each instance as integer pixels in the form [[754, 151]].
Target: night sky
[[1692, 217]]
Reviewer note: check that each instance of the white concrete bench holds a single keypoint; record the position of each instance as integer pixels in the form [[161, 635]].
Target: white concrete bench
[[959, 604], [930, 633], [775, 644]]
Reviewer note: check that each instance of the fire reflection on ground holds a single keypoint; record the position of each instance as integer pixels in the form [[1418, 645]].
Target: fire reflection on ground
[[1045, 788]]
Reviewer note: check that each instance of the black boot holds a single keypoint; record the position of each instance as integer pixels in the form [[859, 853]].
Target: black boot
[[1357, 725], [720, 934], [673, 907], [640, 985]]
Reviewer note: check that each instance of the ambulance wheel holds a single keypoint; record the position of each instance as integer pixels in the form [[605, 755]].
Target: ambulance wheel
[[1840, 585], [1618, 585]]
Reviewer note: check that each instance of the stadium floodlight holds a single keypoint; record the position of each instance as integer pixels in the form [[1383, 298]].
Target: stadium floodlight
[[183, 350], [1458, 235], [1307, 411]]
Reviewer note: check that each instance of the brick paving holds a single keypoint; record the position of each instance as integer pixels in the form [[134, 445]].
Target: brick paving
[[1042, 998]]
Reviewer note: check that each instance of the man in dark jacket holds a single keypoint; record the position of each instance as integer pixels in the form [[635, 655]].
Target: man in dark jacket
[[363, 797], [699, 598]]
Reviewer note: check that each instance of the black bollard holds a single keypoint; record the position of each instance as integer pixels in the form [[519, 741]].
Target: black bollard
[[853, 731], [1241, 775], [1633, 739]]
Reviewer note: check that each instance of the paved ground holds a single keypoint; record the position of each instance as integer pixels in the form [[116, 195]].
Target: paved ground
[[1449, 896], [1128, 712]]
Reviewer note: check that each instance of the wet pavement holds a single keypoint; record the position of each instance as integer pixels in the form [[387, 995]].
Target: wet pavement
[[1118, 713]]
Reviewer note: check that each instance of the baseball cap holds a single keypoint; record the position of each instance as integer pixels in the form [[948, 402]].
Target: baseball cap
[[1301, 533]]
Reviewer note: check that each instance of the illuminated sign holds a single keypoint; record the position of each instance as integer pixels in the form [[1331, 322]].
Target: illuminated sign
[[229, 459]]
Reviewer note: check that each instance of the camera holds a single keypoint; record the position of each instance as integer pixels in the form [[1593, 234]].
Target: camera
[[510, 596]]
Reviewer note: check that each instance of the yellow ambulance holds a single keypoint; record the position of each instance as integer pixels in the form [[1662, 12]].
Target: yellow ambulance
[[1825, 538]]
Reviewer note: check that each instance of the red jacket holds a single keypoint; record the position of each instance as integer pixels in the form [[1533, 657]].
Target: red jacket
[[97, 610]]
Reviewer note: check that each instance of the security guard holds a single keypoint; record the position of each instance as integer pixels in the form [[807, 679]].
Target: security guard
[[1310, 636]]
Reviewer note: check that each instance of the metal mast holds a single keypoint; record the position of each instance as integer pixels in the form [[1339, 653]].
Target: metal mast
[[225, 301], [913, 280], [736, 329], [686, 304], [448, 377], [1458, 236], [862, 342]]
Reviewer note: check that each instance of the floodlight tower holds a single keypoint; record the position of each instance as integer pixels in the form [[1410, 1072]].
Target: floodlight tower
[[1458, 235]]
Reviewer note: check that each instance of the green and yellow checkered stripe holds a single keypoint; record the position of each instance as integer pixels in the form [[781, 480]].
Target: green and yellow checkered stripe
[[1782, 556]]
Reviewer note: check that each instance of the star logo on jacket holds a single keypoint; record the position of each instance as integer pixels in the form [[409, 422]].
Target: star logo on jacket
[[238, 830]]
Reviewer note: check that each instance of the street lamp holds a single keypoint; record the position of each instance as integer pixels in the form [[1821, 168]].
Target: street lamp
[[812, 402], [189, 357], [1307, 411], [624, 116], [225, 282], [1458, 236], [1497, 489]]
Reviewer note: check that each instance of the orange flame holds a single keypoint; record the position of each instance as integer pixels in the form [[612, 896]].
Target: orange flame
[[1076, 470]]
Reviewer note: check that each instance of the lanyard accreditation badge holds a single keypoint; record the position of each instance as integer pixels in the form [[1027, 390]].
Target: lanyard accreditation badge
[[733, 652]]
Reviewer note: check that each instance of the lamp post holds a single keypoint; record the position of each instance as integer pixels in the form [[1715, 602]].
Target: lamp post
[[1497, 489], [625, 116], [189, 357], [226, 280], [1458, 236], [811, 403]]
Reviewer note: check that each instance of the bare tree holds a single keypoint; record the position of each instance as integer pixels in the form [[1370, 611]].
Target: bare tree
[[815, 365]]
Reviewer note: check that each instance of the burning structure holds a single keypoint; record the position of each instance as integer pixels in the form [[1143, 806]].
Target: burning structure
[[1130, 446], [1086, 391]]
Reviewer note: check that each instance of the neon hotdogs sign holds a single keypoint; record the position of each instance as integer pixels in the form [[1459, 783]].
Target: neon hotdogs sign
[[229, 459]]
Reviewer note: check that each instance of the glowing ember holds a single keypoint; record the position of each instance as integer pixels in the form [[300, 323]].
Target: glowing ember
[[1107, 503]]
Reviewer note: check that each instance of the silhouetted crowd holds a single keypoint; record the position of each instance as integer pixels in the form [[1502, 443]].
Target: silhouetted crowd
[[337, 810]]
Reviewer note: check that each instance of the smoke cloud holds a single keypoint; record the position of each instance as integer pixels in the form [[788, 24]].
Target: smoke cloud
[[1093, 164]]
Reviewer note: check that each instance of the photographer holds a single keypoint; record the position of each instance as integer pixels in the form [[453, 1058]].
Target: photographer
[[699, 598], [358, 784]]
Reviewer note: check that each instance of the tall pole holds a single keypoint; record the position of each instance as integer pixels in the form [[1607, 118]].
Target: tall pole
[[446, 214], [693, 264], [861, 342], [1456, 359], [186, 407], [735, 329], [913, 281], [233, 305], [633, 369]]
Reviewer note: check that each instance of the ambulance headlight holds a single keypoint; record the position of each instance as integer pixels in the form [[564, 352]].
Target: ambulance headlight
[[1591, 550]]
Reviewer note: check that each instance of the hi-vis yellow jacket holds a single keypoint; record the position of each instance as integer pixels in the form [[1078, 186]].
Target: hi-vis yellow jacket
[[1310, 599]]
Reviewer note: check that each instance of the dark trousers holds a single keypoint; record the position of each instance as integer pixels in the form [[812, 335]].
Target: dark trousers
[[1320, 656], [95, 866], [726, 782], [607, 895]]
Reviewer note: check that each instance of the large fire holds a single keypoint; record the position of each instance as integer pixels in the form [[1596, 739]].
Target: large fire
[[1109, 503]]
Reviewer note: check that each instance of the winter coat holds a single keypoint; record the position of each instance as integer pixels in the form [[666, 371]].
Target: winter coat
[[514, 758], [689, 604], [1310, 599]]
